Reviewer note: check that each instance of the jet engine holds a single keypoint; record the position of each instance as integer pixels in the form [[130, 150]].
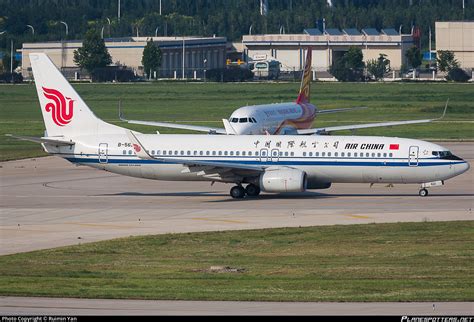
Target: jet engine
[[283, 180]]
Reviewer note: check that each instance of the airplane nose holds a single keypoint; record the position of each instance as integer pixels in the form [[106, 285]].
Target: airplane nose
[[463, 167]]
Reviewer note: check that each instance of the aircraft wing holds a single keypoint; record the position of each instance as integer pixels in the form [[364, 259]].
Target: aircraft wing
[[329, 129], [213, 170], [210, 130], [46, 140], [337, 110]]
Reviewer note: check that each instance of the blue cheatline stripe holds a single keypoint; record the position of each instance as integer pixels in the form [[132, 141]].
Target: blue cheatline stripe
[[286, 163]]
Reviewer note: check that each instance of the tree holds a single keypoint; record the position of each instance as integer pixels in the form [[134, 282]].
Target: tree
[[6, 60], [446, 61], [93, 54], [414, 57], [378, 67], [349, 67], [151, 59]]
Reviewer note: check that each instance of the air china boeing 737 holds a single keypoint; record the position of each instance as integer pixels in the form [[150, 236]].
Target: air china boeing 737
[[271, 163], [289, 118]]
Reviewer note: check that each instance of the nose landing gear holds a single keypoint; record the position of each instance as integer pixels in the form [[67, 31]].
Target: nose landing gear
[[423, 192]]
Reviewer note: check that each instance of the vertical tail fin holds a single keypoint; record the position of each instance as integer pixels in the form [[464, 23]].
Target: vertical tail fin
[[304, 94], [64, 111]]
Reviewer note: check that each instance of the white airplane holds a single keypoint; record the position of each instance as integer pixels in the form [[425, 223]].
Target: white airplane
[[278, 163], [290, 118]]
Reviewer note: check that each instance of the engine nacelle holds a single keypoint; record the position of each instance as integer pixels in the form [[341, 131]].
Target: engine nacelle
[[283, 180]]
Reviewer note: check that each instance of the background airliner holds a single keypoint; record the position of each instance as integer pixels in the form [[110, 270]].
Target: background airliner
[[290, 118], [272, 163]]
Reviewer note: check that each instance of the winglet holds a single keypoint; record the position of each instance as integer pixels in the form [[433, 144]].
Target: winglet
[[228, 128], [304, 95], [120, 112], [444, 112], [139, 149]]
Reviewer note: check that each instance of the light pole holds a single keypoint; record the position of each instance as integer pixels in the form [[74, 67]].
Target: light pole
[[118, 12], [32, 29], [183, 56], [67, 28]]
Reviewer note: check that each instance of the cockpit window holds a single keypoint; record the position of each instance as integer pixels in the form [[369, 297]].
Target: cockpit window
[[445, 155], [243, 120], [234, 120], [253, 120]]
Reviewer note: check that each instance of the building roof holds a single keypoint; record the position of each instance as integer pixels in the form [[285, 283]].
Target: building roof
[[371, 32], [352, 32], [390, 32], [313, 32], [333, 32]]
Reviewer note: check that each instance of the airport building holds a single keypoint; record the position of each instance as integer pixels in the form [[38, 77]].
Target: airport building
[[200, 54], [290, 49], [458, 37]]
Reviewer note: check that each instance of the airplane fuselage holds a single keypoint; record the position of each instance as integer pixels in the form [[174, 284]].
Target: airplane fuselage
[[324, 159], [279, 118]]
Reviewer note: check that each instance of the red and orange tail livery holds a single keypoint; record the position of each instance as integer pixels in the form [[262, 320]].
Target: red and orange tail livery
[[304, 94]]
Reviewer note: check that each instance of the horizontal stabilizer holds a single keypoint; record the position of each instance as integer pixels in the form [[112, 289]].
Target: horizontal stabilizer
[[58, 141]]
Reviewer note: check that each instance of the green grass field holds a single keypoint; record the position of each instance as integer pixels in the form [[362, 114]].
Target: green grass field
[[426, 261], [208, 103]]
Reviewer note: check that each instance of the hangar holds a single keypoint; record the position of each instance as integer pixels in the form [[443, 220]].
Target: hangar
[[458, 37], [200, 53], [290, 49]]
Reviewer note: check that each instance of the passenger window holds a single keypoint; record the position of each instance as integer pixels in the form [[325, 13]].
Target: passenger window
[[317, 154], [349, 154], [250, 153], [335, 154], [201, 153], [176, 152], [243, 153], [182, 152], [373, 155], [195, 152], [342, 154], [213, 152], [286, 154], [355, 154], [256, 154], [311, 154], [367, 154], [164, 152], [158, 152], [231, 152], [220, 152], [207, 153], [292, 154], [124, 151], [379, 155], [385, 155], [329, 154], [170, 152], [129, 151], [323, 154], [153, 152], [189, 153], [237, 153], [304, 154], [225, 152], [390, 155]]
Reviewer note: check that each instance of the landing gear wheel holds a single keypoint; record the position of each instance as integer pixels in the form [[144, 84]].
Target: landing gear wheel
[[237, 192], [423, 192], [252, 190]]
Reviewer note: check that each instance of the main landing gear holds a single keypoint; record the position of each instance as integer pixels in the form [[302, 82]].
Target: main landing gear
[[238, 192]]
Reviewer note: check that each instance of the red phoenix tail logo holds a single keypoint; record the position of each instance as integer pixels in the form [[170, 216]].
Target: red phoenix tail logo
[[60, 111]]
